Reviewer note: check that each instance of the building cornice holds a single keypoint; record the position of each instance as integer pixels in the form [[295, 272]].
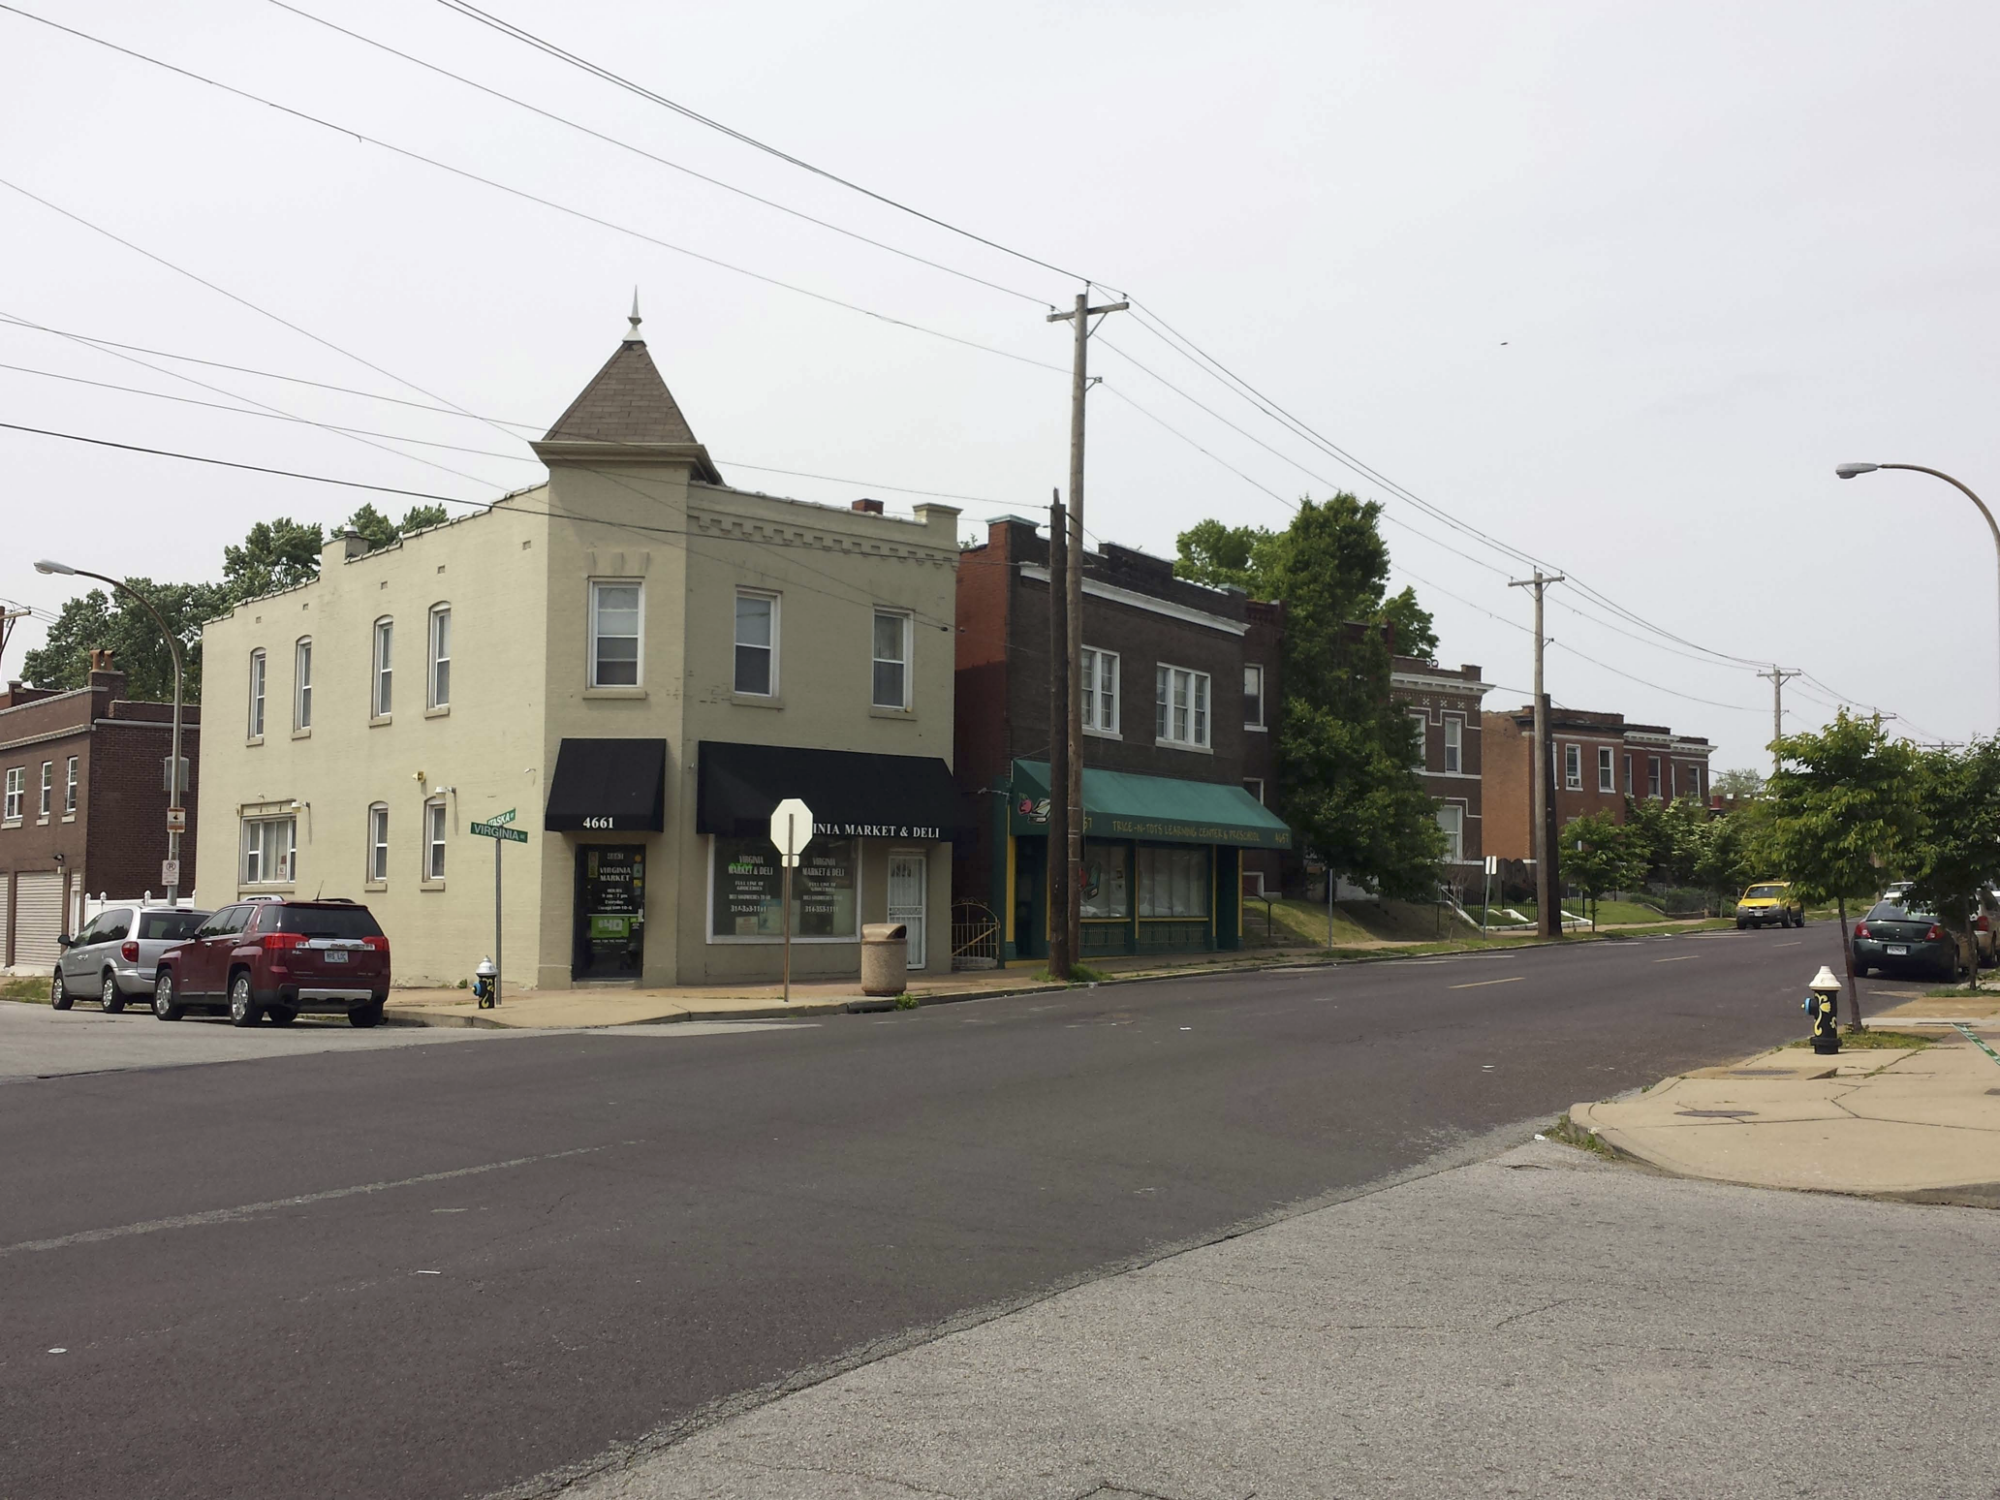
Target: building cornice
[[1115, 595], [1438, 684]]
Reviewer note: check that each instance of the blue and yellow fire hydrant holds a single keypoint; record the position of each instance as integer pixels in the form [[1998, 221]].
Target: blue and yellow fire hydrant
[[1823, 1005], [482, 984]]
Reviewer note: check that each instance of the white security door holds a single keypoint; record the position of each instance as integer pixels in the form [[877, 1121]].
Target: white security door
[[6, 907], [907, 883], [38, 912]]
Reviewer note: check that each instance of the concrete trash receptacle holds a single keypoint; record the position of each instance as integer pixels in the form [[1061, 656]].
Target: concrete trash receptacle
[[885, 958]]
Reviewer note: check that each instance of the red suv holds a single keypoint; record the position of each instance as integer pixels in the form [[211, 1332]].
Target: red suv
[[279, 957]]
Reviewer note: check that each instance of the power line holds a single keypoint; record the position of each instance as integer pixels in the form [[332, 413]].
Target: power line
[[519, 34], [623, 145]]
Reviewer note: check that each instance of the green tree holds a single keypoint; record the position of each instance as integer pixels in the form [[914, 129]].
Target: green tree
[[275, 555], [1739, 781], [1732, 852], [1597, 857], [110, 621], [1844, 803], [379, 531], [1243, 557], [1958, 850]]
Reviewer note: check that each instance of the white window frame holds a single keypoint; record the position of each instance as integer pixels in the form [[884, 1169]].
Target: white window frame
[[1422, 720], [1607, 771], [251, 865], [302, 683], [377, 869], [69, 787], [908, 643], [437, 670], [16, 778], [48, 800], [776, 601], [1258, 668], [1653, 781], [1255, 786], [382, 669], [1628, 773], [1694, 780], [436, 833], [1198, 707], [592, 636], [1454, 744], [1100, 703], [1454, 831], [260, 676], [1572, 766]]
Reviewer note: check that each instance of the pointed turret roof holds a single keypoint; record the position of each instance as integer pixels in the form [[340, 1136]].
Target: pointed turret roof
[[628, 406]]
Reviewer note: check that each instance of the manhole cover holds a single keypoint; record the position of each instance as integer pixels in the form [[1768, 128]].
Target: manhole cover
[[1718, 1114]]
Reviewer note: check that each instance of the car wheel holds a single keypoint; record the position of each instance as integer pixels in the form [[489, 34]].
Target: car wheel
[[243, 1007], [1741, 924], [366, 1015], [59, 995], [109, 996], [281, 1015], [1861, 971], [165, 1006]]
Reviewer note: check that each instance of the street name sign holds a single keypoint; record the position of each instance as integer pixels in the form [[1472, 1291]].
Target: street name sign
[[505, 817], [499, 831]]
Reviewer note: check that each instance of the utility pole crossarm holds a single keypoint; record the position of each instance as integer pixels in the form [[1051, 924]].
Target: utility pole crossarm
[[1088, 312]]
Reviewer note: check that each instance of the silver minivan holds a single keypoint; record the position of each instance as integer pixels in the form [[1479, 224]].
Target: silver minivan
[[118, 953]]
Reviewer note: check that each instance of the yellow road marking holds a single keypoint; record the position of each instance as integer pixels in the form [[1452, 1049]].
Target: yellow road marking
[[1482, 983]]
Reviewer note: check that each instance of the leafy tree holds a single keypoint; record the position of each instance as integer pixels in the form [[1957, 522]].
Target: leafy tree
[[1243, 557], [111, 621], [1732, 852], [1597, 856], [1739, 782], [275, 555], [379, 531], [1666, 837], [1959, 848], [1844, 803]]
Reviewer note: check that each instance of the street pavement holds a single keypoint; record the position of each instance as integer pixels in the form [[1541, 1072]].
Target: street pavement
[[414, 1270]]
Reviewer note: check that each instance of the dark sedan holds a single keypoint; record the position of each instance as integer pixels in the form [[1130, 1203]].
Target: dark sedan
[[1905, 939]]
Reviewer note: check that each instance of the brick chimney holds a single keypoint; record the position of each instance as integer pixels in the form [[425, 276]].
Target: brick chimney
[[104, 676], [867, 507]]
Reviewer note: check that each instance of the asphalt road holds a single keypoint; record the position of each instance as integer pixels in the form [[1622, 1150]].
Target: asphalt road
[[442, 1270]]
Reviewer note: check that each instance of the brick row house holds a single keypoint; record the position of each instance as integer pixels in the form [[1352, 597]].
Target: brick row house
[[1179, 683], [1445, 705], [1597, 760], [83, 805]]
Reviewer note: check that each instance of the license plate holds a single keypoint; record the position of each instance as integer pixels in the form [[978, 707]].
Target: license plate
[[1898, 950], [335, 956]]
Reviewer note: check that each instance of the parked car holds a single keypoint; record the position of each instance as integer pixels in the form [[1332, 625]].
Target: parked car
[[1767, 903], [1906, 939], [118, 952], [279, 957]]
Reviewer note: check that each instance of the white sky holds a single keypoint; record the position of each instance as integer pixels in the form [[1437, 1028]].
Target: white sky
[[1618, 285]]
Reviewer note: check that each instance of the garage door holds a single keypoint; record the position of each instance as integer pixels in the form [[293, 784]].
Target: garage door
[[37, 917]]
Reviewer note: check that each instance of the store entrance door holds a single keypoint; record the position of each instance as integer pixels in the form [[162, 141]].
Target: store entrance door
[[908, 880], [610, 912]]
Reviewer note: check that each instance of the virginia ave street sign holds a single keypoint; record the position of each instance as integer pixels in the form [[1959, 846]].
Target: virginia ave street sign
[[498, 830]]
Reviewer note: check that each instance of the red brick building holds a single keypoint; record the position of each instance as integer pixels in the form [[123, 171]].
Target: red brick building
[[1598, 760], [1445, 704], [83, 806]]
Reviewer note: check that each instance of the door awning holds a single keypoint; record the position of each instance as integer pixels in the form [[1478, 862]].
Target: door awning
[[852, 794], [1161, 809], [609, 785]]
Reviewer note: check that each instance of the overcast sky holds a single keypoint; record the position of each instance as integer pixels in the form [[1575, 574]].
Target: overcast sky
[[1614, 285]]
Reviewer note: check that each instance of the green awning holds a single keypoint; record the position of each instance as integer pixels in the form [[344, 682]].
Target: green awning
[[1160, 809]]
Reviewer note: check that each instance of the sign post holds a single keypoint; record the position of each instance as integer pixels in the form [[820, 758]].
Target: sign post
[[1486, 896], [496, 829], [791, 831]]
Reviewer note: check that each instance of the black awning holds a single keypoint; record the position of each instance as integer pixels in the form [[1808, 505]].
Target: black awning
[[852, 794], [613, 785]]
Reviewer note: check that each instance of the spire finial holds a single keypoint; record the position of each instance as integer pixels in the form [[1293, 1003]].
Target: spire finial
[[633, 336]]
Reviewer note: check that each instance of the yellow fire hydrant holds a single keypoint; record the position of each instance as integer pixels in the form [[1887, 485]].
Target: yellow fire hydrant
[[1823, 1005]]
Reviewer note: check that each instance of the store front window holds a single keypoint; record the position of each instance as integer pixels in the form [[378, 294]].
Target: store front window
[[1107, 894], [746, 891], [1173, 880]]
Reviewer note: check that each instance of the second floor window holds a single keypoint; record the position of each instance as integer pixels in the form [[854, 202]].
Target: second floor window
[[1454, 744], [302, 684], [69, 787], [382, 694], [48, 787], [1420, 725], [617, 611], [1604, 768], [1100, 690], [440, 668], [892, 660], [1652, 776], [1628, 775], [1181, 707], [256, 695], [12, 809], [757, 645], [1254, 785], [1573, 768], [378, 842], [434, 825], [1253, 696]]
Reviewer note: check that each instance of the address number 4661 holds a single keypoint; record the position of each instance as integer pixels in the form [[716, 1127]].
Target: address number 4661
[[600, 822]]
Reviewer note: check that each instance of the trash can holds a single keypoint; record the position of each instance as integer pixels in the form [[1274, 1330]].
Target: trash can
[[885, 958]]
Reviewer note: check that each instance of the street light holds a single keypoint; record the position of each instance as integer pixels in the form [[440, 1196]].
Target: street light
[[1849, 471], [176, 815]]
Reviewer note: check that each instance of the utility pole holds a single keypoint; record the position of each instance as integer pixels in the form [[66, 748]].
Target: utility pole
[[1548, 894], [1079, 386], [1777, 677], [1058, 883]]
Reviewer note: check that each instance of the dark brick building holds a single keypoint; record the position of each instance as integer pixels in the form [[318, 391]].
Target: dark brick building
[[83, 806], [1597, 761], [1445, 704], [1179, 682]]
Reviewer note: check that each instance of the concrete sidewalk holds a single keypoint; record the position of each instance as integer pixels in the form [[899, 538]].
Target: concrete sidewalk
[[1921, 1123]]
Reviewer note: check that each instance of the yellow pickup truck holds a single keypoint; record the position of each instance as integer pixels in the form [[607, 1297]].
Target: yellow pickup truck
[[1767, 903]]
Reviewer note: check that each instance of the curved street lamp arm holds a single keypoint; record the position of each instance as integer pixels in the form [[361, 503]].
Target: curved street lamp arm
[[1958, 485]]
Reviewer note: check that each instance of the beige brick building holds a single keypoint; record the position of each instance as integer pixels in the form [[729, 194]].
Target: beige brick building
[[640, 660]]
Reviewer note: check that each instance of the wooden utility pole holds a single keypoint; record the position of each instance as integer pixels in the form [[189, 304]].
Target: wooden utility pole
[[1548, 894], [1777, 677], [1079, 385], [1058, 883]]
